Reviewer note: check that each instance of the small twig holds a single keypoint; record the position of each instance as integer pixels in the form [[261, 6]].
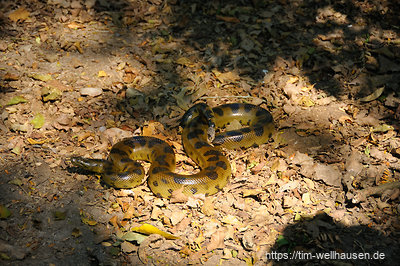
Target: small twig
[[378, 190], [362, 248]]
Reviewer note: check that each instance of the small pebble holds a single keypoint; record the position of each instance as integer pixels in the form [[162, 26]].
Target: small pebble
[[91, 91]]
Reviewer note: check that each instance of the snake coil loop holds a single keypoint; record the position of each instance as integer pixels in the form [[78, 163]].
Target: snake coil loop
[[199, 124]]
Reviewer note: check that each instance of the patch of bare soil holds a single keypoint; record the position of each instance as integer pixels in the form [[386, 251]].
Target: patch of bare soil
[[78, 76]]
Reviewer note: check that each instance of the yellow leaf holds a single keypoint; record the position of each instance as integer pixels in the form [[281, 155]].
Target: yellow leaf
[[149, 229], [306, 101], [86, 219], [78, 47], [38, 121], [75, 26], [19, 14], [183, 61], [375, 95], [230, 219], [15, 181], [106, 244], [292, 80], [76, 232], [102, 74], [306, 198], [249, 261], [42, 77]]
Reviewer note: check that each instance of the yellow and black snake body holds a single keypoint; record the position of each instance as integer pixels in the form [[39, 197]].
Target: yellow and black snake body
[[199, 123]]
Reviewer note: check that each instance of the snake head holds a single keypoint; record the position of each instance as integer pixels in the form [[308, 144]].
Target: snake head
[[211, 133], [93, 165]]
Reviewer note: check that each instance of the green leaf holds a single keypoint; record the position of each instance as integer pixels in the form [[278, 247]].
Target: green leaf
[[367, 150], [4, 256], [115, 251], [38, 121], [60, 215], [282, 241], [17, 100], [51, 94], [132, 236], [42, 77], [382, 128], [4, 212]]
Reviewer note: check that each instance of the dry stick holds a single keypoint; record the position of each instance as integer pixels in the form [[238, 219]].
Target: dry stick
[[378, 190]]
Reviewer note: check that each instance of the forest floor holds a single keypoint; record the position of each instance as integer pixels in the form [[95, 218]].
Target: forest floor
[[77, 76]]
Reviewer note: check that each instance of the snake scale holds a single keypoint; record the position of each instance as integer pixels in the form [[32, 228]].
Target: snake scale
[[121, 170]]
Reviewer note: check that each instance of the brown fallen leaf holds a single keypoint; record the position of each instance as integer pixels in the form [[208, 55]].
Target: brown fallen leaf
[[228, 19], [345, 118], [208, 207], [84, 135], [217, 240], [178, 197], [19, 14], [182, 225], [127, 247], [252, 192], [152, 128], [75, 26], [177, 216], [227, 77], [114, 221], [79, 48], [130, 213], [10, 77]]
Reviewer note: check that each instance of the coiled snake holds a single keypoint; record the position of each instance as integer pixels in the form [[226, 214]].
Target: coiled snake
[[121, 170]]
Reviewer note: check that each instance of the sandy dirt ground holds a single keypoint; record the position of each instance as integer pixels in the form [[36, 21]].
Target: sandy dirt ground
[[78, 76]]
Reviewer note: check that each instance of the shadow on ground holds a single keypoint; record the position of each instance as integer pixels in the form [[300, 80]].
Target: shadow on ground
[[338, 243]]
